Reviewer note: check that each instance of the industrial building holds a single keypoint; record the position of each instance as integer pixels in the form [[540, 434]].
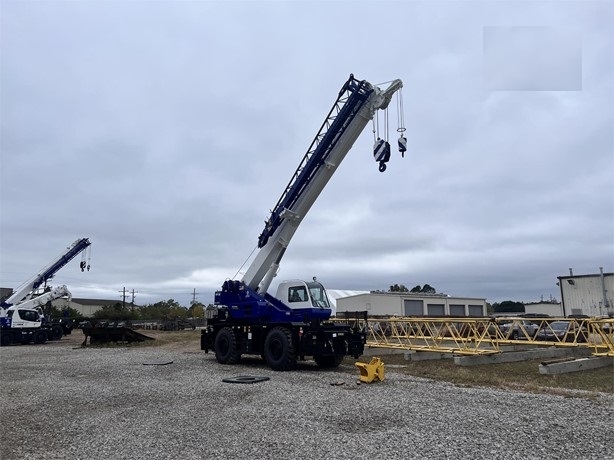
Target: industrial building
[[379, 303], [589, 295], [544, 308], [86, 307]]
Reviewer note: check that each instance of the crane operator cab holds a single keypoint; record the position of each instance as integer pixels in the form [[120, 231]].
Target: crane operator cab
[[298, 294]]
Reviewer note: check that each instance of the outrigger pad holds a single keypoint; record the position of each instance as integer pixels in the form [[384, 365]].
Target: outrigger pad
[[245, 379], [373, 371]]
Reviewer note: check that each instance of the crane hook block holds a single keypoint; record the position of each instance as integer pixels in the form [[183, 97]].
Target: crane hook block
[[381, 153], [402, 145]]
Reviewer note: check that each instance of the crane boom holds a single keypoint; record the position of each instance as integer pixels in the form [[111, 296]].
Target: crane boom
[[25, 291], [356, 105]]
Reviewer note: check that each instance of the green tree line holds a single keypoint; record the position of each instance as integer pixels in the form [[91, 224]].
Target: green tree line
[[166, 309], [426, 289]]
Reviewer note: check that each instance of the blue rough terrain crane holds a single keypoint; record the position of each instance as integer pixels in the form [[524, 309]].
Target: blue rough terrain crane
[[296, 322]]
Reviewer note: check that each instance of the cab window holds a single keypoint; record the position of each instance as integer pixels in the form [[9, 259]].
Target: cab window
[[28, 315], [318, 296], [297, 294]]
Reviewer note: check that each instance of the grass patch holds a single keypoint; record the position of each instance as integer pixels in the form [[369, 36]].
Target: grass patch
[[163, 338], [523, 375], [188, 339]]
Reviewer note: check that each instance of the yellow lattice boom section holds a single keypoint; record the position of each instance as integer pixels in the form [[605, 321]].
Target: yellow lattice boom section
[[477, 336]]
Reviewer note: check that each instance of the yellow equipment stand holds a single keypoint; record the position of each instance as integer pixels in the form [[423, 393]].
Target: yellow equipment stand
[[372, 371]]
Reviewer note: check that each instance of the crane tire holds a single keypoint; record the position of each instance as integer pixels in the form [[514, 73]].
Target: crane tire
[[328, 361], [40, 337], [227, 346], [56, 332], [6, 338], [279, 351]]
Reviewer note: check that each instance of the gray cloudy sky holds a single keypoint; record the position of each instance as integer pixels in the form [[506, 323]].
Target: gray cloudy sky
[[166, 131]]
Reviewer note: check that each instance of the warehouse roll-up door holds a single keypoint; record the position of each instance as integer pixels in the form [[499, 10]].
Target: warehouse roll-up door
[[435, 309], [413, 307]]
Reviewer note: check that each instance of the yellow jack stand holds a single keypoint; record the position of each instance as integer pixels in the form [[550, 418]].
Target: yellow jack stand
[[372, 371]]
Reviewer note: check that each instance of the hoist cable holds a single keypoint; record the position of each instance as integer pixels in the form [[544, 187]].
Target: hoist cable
[[386, 124], [373, 129], [400, 112]]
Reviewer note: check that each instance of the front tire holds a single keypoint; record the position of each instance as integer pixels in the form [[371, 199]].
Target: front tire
[[279, 351], [227, 346], [6, 338]]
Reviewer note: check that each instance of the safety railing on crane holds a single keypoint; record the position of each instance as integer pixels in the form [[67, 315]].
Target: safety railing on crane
[[474, 336]]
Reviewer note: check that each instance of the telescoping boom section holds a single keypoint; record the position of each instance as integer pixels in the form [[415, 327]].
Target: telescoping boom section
[[296, 321], [25, 291], [355, 106]]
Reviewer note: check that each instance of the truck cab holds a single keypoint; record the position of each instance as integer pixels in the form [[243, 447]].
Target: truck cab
[[22, 325], [299, 294], [23, 317]]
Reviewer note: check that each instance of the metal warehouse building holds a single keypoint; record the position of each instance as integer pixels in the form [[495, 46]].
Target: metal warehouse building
[[409, 304], [587, 294], [86, 307]]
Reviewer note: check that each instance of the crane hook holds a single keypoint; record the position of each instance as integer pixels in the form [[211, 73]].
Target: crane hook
[[381, 152], [402, 145]]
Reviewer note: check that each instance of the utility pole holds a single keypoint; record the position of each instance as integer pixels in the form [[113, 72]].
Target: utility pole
[[194, 296], [194, 303], [132, 303], [123, 292]]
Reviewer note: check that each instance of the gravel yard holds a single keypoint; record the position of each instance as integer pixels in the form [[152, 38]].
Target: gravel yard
[[60, 401]]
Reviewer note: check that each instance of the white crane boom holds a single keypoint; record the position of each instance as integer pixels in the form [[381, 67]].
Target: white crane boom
[[357, 104]]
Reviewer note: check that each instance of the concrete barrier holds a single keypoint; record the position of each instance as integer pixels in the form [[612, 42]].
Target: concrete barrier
[[576, 365], [526, 355], [426, 355]]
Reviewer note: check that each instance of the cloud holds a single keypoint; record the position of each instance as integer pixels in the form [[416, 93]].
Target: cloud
[[165, 132]]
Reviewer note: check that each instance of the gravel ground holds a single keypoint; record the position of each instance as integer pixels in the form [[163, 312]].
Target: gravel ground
[[60, 401]]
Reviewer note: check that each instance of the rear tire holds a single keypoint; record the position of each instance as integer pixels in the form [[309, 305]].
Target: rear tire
[[279, 351], [227, 347], [40, 337], [328, 362]]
